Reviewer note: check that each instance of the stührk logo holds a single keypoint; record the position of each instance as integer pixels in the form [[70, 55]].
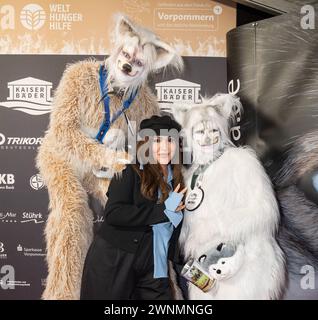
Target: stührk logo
[[178, 90], [32, 16], [29, 95], [29, 217], [36, 182]]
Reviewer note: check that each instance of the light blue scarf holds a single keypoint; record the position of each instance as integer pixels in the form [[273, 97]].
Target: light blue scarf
[[162, 232]]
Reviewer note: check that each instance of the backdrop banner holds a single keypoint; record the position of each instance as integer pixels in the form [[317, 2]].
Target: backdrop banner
[[37, 41], [193, 28]]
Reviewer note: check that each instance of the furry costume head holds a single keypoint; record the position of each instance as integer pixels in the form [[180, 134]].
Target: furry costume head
[[137, 52], [206, 125]]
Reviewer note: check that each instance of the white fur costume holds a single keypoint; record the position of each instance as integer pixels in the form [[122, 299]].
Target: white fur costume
[[239, 206]]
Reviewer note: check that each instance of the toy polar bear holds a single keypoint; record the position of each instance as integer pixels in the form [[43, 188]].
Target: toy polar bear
[[230, 200], [70, 153], [222, 262]]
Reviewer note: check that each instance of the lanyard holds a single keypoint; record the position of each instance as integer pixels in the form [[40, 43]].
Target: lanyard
[[197, 176], [106, 99]]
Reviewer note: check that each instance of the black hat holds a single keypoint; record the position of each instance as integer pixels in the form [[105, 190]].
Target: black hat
[[156, 123]]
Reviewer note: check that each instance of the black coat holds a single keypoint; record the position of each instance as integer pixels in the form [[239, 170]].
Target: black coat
[[128, 215]]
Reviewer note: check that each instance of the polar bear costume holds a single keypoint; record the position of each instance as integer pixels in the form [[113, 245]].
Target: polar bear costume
[[238, 204]]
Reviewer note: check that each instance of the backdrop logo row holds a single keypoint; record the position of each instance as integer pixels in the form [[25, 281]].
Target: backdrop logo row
[[34, 96], [193, 28]]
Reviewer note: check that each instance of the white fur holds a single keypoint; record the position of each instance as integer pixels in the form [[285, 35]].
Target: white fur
[[239, 208]]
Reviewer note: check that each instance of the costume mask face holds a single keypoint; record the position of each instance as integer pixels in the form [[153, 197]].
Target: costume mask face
[[137, 51], [206, 139], [130, 63]]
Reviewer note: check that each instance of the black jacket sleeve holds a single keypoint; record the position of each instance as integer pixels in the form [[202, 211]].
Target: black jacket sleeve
[[120, 209]]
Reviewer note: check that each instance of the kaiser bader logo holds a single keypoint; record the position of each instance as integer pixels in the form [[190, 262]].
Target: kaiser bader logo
[[178, 90], [29, 95]]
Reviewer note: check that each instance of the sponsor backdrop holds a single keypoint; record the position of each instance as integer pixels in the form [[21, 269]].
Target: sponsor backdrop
[[37, 40], [194, 28]]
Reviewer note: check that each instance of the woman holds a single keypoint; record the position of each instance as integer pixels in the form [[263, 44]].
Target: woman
[[129, 256]]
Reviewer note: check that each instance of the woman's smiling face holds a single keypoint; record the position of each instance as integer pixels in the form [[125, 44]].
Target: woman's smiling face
[[163, 149]]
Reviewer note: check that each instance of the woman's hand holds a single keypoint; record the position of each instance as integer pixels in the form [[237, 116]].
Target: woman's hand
[[181, 206]]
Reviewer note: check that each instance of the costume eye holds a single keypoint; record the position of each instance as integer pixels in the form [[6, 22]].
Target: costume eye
[[126, 54], [139, 63], [308, 184], [223, 262], [200, 131]]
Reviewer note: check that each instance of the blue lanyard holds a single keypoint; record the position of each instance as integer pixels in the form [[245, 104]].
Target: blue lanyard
[[106, 99]]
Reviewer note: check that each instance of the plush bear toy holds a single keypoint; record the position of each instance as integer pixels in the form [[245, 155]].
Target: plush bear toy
[[223, 262]]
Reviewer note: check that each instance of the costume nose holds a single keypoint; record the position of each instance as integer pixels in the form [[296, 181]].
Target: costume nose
[[208, 140], [127, 68], [218, 271]]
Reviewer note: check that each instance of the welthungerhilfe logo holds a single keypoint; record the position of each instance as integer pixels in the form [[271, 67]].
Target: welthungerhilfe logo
[[32, 16]]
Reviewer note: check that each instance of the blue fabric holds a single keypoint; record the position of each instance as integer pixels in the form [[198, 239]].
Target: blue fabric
[[106, 99], [162, 232]]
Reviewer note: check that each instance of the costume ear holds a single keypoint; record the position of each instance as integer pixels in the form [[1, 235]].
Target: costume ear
[[202, 258], [166, 55], [177, 111], [123, 25], [219, 247], [227, 105]]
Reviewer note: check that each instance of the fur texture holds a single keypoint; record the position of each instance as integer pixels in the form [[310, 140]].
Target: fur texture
[[69, 153], [239, 206], [298, 234]]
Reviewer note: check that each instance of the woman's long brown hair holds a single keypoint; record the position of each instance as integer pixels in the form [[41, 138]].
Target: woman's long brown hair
[[151, 178]]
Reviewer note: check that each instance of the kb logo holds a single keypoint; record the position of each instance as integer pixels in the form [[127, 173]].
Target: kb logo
[[7, 178], [1, 247]]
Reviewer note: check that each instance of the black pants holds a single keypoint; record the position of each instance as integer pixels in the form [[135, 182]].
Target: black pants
[[111, 273]]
